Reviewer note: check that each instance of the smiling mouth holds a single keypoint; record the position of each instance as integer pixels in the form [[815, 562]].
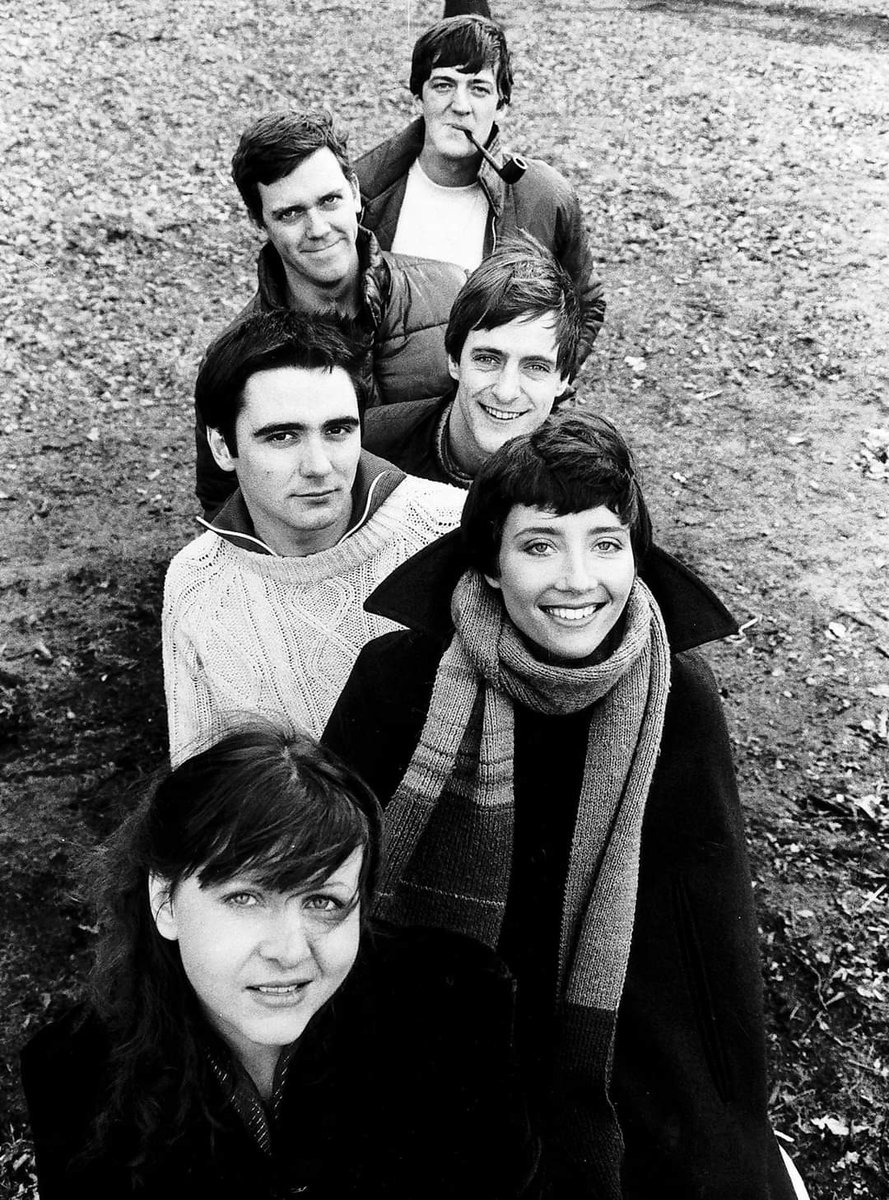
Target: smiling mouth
[[279, 989], [501, 414], [564, 613]]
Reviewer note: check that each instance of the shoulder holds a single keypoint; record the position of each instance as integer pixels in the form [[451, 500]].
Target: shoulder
[[431, 501], [390, 653], [421, 291], [198, 550], [542, 187], [391, 430], [65, 1056], [388, 161], [693, 681]]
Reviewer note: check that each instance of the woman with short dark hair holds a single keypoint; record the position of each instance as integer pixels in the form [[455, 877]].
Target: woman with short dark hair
[[557, 781], [249, 1033]]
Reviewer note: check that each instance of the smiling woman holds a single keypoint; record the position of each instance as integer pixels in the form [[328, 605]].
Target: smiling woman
[[557, 782], [250, 1034]]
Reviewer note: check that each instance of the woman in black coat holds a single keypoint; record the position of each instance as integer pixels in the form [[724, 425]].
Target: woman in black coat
[[249, 1033], [557, 781]]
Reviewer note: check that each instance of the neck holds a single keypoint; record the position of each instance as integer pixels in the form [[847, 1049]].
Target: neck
[[344, 296], [461, 445], [260, 1066], [298, 543], [450, 172]]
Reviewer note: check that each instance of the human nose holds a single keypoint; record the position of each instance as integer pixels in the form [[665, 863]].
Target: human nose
[[285, 939], [578, 572], [316, 224], [508, 385], [315, 460], [460, 101]]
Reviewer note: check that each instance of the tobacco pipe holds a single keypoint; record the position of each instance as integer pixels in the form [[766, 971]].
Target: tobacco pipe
[[513, 167]]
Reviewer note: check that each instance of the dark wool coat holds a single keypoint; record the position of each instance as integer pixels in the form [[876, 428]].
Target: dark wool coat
[[404, 1087], [542, 203], [689, 1075], [405, 310]]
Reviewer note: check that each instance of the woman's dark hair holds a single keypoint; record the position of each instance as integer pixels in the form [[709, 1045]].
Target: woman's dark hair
[[261, 800], [520, 281], [574, 461], [277, 144], [469, 42], [264, 341]]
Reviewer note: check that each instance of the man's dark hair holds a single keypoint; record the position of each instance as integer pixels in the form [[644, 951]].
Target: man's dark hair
[[519, 281], [276, 144], [576, 460], [263, 342], [469, 42]]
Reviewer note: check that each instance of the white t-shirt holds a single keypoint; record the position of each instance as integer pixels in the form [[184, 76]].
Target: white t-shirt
[[444, 223]]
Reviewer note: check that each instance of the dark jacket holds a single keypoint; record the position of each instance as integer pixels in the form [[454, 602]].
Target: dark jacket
[[689, 1074], [542, 203], [403, 1087], [405, 310]]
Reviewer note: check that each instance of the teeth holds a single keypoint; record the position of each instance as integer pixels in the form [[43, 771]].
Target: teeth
[[272, 989], [499, 415], [573, 614]]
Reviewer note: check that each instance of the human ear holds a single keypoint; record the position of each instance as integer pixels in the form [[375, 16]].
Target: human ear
[[453, 369], [160, 901], [220, 451], [493, 582]]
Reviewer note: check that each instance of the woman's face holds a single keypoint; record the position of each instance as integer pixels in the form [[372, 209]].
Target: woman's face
[[565, 580], [262, 962]]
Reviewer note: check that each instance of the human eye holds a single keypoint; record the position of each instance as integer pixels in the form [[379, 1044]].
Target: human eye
[[609, 545], [538, 368], [481, 89], [331, 201], [242, 899], [281, 437], [441, 85], [487, 362], [537, 548], [288, 216], [340, 432]]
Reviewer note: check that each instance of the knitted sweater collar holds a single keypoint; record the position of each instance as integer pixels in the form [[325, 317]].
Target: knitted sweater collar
[[375, 481]]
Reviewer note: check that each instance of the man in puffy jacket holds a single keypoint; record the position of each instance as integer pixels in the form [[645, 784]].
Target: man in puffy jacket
[[428, 190], [294, 175]]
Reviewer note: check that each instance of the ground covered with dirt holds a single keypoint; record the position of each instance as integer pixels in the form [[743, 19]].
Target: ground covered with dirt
[[732, 160]]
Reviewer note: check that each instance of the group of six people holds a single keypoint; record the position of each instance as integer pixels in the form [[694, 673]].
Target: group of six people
[[494, 936]]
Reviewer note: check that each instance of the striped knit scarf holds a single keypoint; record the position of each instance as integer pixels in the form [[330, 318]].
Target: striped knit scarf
[[449, 827]]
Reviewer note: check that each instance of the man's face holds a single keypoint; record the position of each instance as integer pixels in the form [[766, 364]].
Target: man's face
[[311, 218], [298, 443], [507, 383], [452, 100]]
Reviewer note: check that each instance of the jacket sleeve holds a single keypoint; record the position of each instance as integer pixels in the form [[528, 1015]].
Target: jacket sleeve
[[689, 1079]]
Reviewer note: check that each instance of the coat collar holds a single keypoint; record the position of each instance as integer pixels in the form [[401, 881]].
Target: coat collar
[[375, 481], [418, 594]]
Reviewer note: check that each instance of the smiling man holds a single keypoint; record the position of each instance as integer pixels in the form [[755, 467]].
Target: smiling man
[[264, 611], [293, 173], [511, 341], [429, 190]]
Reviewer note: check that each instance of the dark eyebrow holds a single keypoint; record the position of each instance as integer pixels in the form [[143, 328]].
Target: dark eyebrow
[[554, 531], [296, 427]]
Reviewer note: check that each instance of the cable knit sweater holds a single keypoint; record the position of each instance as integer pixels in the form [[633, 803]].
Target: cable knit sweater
[[252, 632]]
